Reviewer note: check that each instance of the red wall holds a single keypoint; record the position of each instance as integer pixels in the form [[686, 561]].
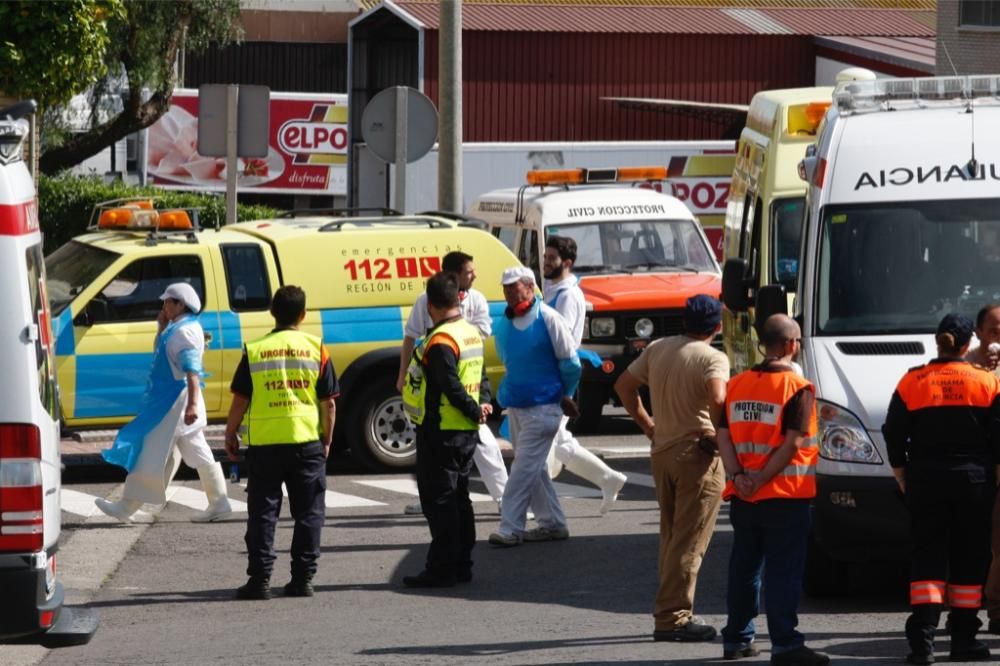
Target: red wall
[[523, 86]]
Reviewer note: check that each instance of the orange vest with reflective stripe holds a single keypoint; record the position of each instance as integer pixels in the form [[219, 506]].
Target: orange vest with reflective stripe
[[755, 401], [957, 384]]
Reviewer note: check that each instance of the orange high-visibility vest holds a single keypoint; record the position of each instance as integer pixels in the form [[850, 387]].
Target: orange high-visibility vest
[[957, 384], [755, 401]]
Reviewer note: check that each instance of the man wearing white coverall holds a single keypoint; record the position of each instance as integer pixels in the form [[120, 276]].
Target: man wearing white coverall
[[563, 294], [475, 310], [542, 371], [171, 418]]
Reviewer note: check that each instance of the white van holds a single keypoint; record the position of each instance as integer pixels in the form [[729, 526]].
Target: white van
[[30, 472], [640, 255], [902, 225]]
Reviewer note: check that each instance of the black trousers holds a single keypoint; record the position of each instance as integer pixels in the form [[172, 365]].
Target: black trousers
[[302, 468], [444, 459], [950, 522]]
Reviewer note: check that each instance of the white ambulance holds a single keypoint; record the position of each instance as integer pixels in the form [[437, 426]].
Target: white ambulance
[[640, 255], [30, 519], [902, 225]]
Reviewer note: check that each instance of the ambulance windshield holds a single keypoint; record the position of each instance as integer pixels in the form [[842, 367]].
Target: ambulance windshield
[[643, 245], [898, 267], [71, 268]]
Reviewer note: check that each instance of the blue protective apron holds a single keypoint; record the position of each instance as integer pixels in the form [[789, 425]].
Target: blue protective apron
[[162, 391]]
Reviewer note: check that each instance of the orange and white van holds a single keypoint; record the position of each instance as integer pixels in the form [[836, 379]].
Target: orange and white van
[[640, 255], [30, 472]]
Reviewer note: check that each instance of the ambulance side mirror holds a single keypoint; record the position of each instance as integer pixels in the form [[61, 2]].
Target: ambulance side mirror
[[771, 299], [807, 168], [735, 285]]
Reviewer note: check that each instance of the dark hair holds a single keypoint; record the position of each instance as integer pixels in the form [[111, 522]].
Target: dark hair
[[287, 306], [442, 290], [983, 311], [564, 245], [947, 343], [454, 262]]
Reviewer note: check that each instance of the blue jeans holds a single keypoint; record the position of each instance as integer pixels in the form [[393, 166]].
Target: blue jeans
[[773, 532]]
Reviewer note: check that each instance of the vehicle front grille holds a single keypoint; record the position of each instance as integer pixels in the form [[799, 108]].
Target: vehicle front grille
[[665, 323], [895, 348]]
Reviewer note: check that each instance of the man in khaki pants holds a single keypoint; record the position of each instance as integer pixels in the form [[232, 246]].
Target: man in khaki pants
[[687, 385]]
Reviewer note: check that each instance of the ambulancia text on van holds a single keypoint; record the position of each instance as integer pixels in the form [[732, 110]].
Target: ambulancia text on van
[[901, 227], [361, 276], [640, 255]]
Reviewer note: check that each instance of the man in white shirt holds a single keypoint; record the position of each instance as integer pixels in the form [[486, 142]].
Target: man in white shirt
[[475, 310], [563, 294]]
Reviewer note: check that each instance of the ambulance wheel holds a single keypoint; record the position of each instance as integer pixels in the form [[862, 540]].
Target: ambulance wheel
[[381, 435], [590, 400]]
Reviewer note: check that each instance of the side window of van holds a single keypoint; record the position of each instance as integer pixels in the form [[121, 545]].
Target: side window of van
[[246, 275], [39, 312], [747, 224], [528, 251], [506, 235], [134, 294]]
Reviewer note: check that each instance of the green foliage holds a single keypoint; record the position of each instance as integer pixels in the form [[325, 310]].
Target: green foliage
[[51, 50], [65, 204]]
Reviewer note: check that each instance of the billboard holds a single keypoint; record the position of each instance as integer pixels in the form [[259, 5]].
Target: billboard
[[307, 148]]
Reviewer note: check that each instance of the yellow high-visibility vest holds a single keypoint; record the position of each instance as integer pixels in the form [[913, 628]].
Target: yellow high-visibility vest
[[464, 338], [284, 368]]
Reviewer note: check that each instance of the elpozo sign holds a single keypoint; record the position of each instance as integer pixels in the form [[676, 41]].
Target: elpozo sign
[[307, 148]]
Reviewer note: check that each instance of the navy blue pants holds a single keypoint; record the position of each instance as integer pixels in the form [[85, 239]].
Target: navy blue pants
[[773, 534], [444, 459], [302, 468]]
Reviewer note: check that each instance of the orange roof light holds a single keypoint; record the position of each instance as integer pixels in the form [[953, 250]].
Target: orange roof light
[[175, 219], [804, 119], [543, 177], [555, 177], [115, 218]]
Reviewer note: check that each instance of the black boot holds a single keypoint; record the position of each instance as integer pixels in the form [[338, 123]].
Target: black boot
[[299, 586], [963, 625], [257, 587], [920, 627]]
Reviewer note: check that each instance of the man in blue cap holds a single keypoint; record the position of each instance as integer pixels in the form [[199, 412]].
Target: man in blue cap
[[687, 379]]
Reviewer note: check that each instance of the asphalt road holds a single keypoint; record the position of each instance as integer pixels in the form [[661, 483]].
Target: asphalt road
[[164, 590]]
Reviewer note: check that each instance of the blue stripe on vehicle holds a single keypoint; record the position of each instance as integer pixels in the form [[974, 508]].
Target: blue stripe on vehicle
[[376, 324], [110, 384], [225, 328], [62, 330]]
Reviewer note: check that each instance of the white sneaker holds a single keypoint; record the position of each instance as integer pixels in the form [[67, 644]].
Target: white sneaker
[[413, 510]]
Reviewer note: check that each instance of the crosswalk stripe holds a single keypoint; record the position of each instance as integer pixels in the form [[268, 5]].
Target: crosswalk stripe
[[335, 500], [573, 490], [407, 486], [640, 479], [197, 499], [77, 503]]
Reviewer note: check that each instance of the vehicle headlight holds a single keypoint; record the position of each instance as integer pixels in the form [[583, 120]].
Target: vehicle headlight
[[842, 436], [602, 327], [644, 328]]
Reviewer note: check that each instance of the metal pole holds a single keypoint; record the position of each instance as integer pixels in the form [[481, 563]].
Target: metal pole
[[450, 108], [232, 98], [401, 138]]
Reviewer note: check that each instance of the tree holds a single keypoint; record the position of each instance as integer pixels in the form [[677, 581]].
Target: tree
[[143, 43], [50, 50]]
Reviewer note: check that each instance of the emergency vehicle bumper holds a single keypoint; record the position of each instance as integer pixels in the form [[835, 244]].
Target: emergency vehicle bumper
[[861, 519], [25, 602]]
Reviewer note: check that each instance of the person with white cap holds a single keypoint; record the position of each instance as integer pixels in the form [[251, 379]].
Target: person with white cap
[[562, 293], [542, 372], [171, 419]]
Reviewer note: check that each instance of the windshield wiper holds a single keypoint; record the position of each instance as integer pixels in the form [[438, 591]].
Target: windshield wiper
[[600, 268], [667, 267]]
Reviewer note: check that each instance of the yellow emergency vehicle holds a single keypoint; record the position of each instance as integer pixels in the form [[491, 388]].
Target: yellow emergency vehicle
[[361, 276], [764, 217], [763, 226]]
